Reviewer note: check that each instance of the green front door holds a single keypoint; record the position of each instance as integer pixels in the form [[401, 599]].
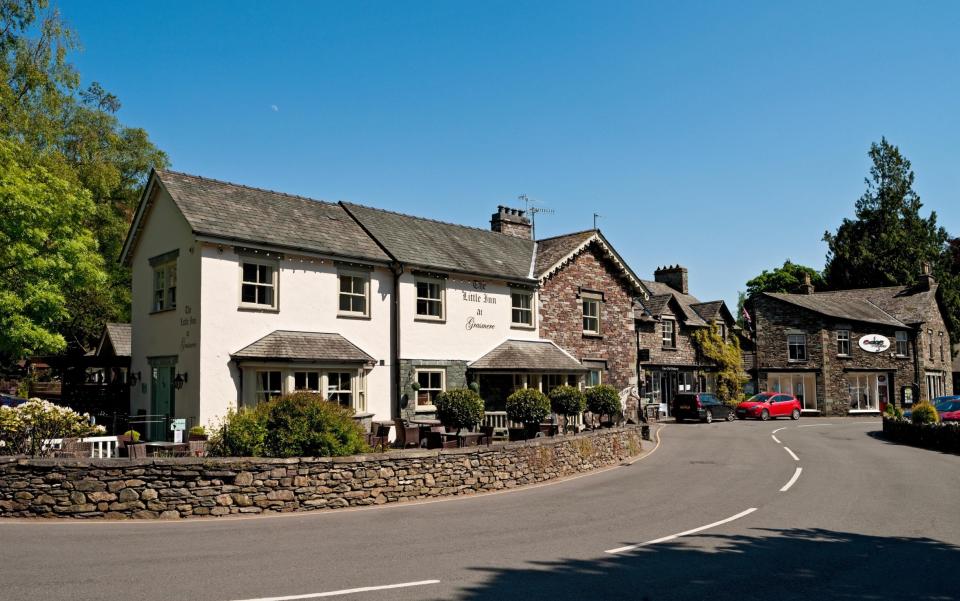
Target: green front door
[[161, 401]]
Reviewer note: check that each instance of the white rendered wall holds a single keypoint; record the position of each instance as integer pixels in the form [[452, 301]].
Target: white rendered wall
[[167, 333], [307, 300], [470, 304]]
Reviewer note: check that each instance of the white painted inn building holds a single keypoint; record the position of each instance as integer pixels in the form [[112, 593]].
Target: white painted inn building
[[240, 294]]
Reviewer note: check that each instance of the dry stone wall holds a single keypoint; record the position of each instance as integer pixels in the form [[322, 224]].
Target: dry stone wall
[[187, 487]]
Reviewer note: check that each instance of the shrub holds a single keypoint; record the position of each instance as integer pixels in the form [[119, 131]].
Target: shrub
[[241, 434], [133, 434], [603, 400], [893, 412], [528, 405], [567, 400], [198, 431], [462, 408], [24, 428], [924, 413]]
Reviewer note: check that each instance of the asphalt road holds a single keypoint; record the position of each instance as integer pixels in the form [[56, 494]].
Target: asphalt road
[[864, 519]]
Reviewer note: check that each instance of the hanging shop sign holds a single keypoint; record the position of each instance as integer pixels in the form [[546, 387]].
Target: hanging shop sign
[[874, 343]]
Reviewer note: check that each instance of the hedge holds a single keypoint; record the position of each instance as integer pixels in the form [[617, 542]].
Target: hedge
[[943, 436]]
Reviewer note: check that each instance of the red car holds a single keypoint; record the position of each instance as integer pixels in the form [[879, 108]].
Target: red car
[[770, 404]]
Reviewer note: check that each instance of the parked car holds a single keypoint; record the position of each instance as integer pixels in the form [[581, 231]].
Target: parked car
[[943, 404], [702, 406], [10, 400], [768, 405]]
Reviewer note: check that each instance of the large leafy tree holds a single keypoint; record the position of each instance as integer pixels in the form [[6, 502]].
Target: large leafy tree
[[46, 253], [788, 278], [889, 241], [75, 134]]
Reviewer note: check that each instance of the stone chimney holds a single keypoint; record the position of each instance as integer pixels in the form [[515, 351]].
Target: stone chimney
[[512, 222], [807, 286], [674, 276], [927, 281]]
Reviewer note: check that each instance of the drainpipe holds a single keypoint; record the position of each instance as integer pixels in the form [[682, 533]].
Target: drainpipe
[[397, 269]]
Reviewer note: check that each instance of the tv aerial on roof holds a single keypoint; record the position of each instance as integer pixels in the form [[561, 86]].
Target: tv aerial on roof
[[532, 209]]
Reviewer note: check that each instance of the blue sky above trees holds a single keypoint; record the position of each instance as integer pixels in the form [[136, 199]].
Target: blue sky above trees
[[723, 137]]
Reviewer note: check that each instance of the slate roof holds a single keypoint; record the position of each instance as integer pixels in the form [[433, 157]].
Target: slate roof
[[709, 310], [234, 212], [854, 305], [551, 250], [686, 302], [430, 244], [119, 336], [908, 304], [528, 355], [287, 345]]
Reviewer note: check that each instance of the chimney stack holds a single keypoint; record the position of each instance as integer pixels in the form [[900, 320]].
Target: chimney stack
[[674, 276], [512, 222], [927, 281], [807, 286]]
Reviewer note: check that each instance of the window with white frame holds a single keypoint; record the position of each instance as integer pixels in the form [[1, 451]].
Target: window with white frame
[[258, 285], [551, 381], [165, 286], [942, 349], [269, 384], [668, 331], [431, 383], [430, 299], [901, 343], [797, 347], [521, 313], [307, 381], [594, 377], [722, 330], [340, 388], [354, 294], [803, 386], [930, 343], [591, 314], [843, 343], [867, 391], [935, 385]]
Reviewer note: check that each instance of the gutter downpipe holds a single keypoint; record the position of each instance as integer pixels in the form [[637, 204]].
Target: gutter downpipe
[[397, 269]]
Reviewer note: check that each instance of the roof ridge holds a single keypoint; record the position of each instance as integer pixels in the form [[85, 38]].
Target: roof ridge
[[246, 187], [408, 215], [567, 235]]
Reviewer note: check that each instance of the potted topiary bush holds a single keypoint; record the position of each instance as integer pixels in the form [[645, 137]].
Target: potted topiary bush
[[924, 413], [567, 401], [604, 400], [459, 408], [197, 433], [528, 406]]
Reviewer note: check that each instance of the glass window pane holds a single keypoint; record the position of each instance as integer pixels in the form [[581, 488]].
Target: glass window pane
[[249, 272], [248, 294]]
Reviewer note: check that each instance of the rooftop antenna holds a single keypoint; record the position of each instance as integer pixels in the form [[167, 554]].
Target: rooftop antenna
[[595, 217], [532, 210]]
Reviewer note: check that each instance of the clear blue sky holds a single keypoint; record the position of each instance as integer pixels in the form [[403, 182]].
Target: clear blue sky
[[725, 137]]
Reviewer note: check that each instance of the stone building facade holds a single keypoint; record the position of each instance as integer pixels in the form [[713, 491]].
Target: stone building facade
[[853, 351], [666, 322]]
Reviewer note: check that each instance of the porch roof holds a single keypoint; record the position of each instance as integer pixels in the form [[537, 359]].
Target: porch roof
[[286, 345], [528, 356]]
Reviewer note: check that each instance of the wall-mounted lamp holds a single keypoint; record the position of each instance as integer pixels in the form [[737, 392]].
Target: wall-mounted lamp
[[134, 378], [179, 381]]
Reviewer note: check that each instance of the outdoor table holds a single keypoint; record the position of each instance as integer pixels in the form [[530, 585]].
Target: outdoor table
[[424, 425], [469, 439], [173, 447]]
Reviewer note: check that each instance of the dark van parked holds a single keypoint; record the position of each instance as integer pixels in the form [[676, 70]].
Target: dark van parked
[[701, 406]]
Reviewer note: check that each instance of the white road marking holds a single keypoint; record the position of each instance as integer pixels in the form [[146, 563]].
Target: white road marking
[[792, 481], [775, 439], [778, 429], [792, 454], [347, 591], [685, 533], [813, 425]]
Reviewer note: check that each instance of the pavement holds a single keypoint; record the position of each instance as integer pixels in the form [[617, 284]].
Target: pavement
[[809, 509]]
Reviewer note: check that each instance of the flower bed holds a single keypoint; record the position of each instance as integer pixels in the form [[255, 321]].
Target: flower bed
[[179, 488], [943, 436]]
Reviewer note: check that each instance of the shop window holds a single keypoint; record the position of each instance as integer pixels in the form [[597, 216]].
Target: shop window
[[867, 391]]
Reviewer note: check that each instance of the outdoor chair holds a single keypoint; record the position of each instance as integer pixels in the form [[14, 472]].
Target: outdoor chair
[[378, 437], [123, 441], [137, 451], [487, 438], [407, 435], [73, 448]]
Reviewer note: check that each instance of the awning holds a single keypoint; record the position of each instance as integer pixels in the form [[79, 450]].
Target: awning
[[540, 356], [314, 347]]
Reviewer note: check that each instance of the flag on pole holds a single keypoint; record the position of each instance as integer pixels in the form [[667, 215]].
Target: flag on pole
[[746, 317]]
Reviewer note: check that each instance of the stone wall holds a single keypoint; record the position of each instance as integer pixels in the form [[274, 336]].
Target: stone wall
[[561, 316], [180, 488]]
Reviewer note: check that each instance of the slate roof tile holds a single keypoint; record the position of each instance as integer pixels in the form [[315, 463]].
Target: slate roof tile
[[528, 355], [287, 345]]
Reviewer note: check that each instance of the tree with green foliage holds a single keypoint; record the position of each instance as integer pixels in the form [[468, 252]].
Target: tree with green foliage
[[889, 241], [604, 400], [566, 401], [47, 253], [459, 408], [728, 359], [788, 278], [75, 134]]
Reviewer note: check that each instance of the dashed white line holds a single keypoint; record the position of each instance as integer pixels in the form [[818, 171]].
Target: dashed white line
[[685, 533], [778, 429], [792, 481], [347, 591], [792, 454], [775, 439]]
